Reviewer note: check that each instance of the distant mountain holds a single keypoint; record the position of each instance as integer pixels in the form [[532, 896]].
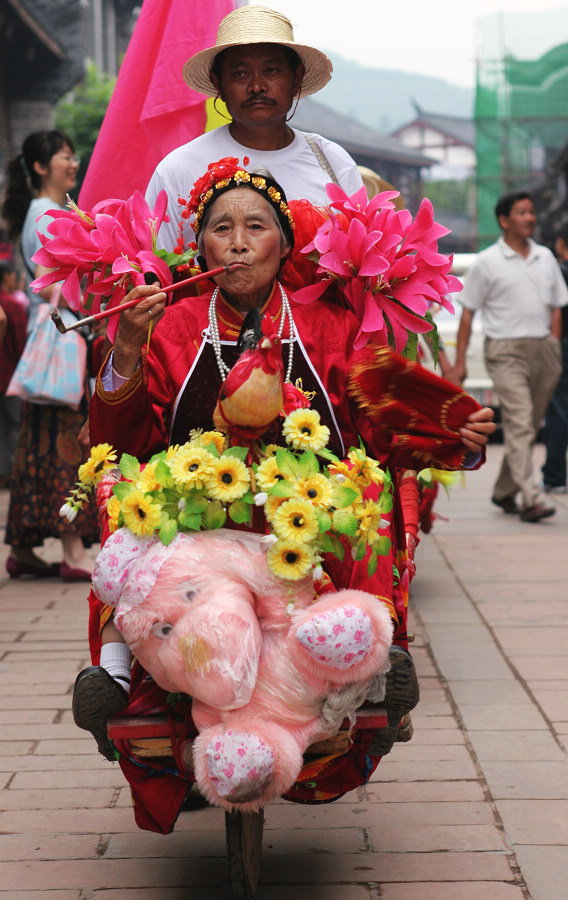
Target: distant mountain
[[382, 98]]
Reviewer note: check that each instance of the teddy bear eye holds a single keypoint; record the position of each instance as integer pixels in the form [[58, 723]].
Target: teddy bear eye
[[189, 595], [162, 629]]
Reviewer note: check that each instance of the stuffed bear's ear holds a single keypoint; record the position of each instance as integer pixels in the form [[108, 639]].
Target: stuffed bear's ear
[[114, 563]]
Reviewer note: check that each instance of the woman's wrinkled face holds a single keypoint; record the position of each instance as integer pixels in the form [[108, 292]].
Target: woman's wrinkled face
[[241, 228]]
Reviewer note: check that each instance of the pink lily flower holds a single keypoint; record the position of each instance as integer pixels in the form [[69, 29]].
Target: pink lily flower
[[385, 263]]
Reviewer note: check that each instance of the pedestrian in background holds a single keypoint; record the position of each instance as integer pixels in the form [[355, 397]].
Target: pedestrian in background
[[556, 422], [518, 286], [48, 452], [12, 342]]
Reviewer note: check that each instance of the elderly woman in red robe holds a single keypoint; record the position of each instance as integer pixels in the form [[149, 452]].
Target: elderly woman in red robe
[[146, 400]]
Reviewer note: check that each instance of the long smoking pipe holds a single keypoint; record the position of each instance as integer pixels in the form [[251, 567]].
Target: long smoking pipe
[[105, 314]]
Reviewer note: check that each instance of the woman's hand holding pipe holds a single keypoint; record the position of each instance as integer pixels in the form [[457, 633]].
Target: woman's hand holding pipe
[[133, 327]]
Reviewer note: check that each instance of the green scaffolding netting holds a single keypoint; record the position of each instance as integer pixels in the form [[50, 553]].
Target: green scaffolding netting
[[521, 105]]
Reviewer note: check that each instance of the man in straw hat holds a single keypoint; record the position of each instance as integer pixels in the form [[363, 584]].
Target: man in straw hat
[[257, 68]]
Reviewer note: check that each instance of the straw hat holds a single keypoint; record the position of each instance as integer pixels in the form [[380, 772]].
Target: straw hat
[[257, 25]]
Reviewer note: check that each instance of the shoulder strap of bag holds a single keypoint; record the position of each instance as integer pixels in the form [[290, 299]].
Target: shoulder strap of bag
[[321, 157]]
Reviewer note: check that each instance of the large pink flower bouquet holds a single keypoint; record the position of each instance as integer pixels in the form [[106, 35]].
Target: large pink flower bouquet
[[385, 263], [101, 255]]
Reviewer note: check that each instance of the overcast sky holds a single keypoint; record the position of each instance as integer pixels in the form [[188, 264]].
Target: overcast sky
[[437, 38]]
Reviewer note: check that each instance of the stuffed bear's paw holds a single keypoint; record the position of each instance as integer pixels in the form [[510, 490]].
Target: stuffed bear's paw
[[339, 638], [240, 766]]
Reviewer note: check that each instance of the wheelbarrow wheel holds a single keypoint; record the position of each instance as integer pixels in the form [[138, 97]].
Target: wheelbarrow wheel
[[244, 847]]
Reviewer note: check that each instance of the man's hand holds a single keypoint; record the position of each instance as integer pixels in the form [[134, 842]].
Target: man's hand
[[456, 374], [475, 433]]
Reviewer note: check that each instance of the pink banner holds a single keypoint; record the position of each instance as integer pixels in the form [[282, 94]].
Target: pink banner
[[152, 111]]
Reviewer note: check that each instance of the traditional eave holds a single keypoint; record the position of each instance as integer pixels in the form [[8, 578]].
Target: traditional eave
[[41, 31]]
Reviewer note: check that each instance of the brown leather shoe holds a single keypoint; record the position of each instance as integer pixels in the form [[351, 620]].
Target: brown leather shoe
[[537, 512], [507, 504]]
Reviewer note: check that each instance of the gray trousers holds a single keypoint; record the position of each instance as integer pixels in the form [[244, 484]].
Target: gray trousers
[[525, 372]]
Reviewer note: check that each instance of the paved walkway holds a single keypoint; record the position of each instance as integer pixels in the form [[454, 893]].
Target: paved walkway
[[474, 808]]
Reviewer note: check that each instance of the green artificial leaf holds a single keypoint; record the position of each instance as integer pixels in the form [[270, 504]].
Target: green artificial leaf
[[287, 462], [308, 464], [163, 474], [433, 337], [239, 512], [360, 550], [344, 496], [123, 489], [214, 516], [195, 503], [385, 502], [168, 531], [248, 497], [338, 547], [190, 521], [282, 488], [323, 518], [372, 564], [326, 544], [327, 454], [240, 452], [162, 455], [212, 449], [345, 522], [129, 467], [382, 546], [411, 347], [425, 477]]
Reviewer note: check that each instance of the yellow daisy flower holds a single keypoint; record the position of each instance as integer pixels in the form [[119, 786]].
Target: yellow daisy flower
[[192, 466], [272, 505], [141, 516], [147, 481], [113, 512], [366, 470], [290, 561], [270, 450], [229, 479], [339, 468], [268, 473], [204, 438], [295, 521], [171, 451], [87, 472], [316, 489], [102, 458], [369, 521], [302, 429]]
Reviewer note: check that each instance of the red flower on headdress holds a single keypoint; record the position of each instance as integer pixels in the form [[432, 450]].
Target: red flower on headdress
[[223, 168]]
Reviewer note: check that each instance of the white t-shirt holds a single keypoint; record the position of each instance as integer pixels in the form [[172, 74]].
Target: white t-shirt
[[295, 168], [31, 244], [516, 295]]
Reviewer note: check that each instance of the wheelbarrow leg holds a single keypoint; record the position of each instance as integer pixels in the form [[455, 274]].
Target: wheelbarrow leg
[[244, 847]]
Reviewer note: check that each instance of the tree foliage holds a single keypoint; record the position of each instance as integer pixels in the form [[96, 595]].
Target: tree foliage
[[80, 113]]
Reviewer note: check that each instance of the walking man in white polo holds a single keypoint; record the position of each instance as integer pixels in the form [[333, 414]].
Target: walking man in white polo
[[518, 286]]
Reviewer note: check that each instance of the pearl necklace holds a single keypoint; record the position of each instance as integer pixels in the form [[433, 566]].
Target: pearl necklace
[[216, 340]]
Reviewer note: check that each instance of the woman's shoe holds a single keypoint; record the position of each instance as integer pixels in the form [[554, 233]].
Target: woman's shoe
[[17, 567], [97, 697], [69, 573]]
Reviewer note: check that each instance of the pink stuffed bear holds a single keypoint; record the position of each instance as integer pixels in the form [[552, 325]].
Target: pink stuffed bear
[[270, 671]]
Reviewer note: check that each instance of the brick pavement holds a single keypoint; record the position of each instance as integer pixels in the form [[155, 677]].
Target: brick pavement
[[475, 807]]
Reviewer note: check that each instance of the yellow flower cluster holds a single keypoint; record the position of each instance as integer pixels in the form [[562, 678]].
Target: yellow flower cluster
[[313, 503], [312, 509]]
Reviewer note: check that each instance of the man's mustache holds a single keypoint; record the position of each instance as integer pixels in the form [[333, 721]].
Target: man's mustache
[[260, 98]]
